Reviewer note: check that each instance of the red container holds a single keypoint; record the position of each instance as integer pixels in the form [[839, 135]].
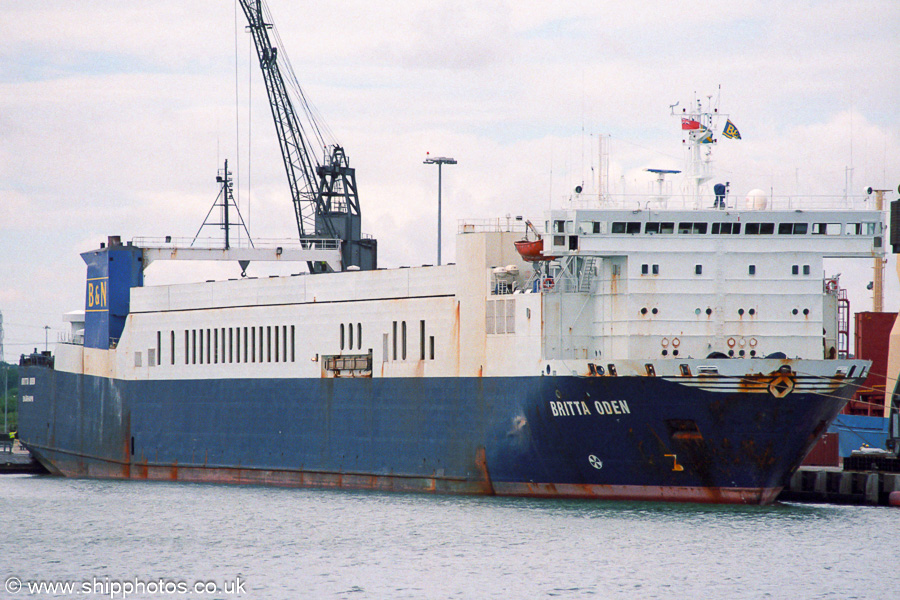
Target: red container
[[826, 453], [873, 336]]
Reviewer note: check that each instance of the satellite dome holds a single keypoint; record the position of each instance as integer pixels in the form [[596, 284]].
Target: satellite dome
[[756, 200]]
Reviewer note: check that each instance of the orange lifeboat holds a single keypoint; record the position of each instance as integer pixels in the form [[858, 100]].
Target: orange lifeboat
[[530, 250]]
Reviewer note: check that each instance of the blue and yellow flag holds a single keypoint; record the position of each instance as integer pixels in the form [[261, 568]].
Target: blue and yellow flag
[[731, 131]]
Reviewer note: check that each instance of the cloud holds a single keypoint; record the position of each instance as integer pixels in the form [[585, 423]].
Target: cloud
[[115, 117]]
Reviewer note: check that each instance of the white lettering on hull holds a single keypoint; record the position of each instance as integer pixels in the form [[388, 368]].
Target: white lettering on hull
[[570, 408]]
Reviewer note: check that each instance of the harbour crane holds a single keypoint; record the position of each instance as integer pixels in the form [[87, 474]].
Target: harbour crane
[[325, 197]]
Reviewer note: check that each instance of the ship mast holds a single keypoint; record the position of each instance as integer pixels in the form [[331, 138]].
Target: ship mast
[[698, 125]]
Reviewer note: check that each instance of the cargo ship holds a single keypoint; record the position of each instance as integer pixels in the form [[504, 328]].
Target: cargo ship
[[662, 354], [679, 349]]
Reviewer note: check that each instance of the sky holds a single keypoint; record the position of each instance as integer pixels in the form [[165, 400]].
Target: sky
[[116, 116]]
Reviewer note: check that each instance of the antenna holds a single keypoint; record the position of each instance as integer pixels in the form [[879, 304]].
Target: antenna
[[225, 199], [1, 336]]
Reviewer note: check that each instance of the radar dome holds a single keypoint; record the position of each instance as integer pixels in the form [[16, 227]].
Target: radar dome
[[756, 200]]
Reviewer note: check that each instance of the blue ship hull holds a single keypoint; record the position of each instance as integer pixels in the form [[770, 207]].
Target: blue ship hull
[[603, 437]]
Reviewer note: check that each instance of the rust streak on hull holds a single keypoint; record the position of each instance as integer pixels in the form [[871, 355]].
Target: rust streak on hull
[[94, 468]]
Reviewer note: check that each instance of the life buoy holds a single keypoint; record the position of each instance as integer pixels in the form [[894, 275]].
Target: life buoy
[[831, 286], [547, 283], [731, 342]]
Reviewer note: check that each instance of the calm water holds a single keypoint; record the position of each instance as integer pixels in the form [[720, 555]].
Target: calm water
[[288, 543]]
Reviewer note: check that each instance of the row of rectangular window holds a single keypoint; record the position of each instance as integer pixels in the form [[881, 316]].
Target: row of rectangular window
[[349, 330], [225, 345], [400, 340], [647, 269], [634, 227]]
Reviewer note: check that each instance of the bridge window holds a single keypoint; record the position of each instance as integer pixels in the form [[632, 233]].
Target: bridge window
[[659, 228], [726, 228], [826, 229], [792, 228], [751, 270], [698, 228], [759, 228], [626, 227]]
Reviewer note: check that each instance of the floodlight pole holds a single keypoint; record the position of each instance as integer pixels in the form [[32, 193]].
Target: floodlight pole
[[439, 161]]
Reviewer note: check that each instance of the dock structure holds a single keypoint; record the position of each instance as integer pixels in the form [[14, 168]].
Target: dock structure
[[832, 485]]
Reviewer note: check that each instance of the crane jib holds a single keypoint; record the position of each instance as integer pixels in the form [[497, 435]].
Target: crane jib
[[325, 197]]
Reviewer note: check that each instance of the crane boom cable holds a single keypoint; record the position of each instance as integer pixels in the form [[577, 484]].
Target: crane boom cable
[[313, 116], [299, 166]]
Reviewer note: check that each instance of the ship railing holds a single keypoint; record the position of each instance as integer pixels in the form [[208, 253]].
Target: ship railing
[[74, 339], [706, 202], [311, 243], [503, 224]]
